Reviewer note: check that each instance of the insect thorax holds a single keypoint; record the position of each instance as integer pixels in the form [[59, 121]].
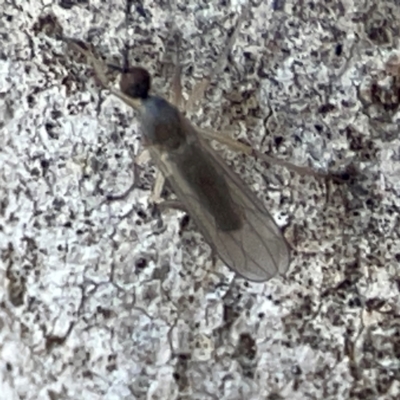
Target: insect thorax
[[161, 124]]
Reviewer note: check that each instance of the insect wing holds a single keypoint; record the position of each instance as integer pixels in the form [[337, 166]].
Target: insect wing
[[257, 250]]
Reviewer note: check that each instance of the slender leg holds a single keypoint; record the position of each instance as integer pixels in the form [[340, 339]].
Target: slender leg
[[198, 93], [155, 197], [199, 89], [248, 150], [98, 66], [157, 188], [176, 98], [143, 157], [172, 204]]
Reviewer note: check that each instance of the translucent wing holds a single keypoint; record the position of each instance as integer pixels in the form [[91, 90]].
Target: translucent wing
[[257, 249]]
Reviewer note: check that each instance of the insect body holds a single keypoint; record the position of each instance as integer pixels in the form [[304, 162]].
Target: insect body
[[230, 217]]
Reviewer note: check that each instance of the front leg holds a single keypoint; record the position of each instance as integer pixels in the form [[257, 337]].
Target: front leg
[[158, 187]]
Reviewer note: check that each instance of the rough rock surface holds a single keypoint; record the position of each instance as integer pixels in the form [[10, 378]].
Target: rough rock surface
[[104, 299]]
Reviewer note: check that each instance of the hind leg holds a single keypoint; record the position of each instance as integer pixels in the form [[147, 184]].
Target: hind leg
[[197, 95]]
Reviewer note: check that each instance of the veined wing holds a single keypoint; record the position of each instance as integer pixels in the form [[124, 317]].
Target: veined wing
[[256, 250]]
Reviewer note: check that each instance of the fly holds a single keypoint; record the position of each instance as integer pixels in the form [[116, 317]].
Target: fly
[[230, 217]]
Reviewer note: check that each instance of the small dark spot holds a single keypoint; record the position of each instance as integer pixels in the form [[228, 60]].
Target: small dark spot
[[105, 312], [344, 176], [141, 264], [87, 374], [229, 314], [68, 4], [326, 108], [274, 396], [111, 367], [247, 55], [297, 139], [184, 356], [357, 302], [278, 5], [176, 376], [58, 203], [54, 341], [44, 164], [30, 100], [55, 114], [345, 103], [141, 214], [374, 304], [68, 224], [318, 127], [296, 370], [379, 35], [247, 346], [184, 223], [278, 140], [49, 126], [35, 172], [370, 203], [338, 49]]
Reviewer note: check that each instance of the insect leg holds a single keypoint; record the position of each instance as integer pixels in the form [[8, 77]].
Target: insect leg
[[82, 48], [176, 98], [174, 204], [200, 88], [143, 158], [160, 203], [156, 198], [157, 188], [248, 150]]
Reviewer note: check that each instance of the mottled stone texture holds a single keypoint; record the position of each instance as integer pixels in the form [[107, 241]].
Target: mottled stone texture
[[101, 297]]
